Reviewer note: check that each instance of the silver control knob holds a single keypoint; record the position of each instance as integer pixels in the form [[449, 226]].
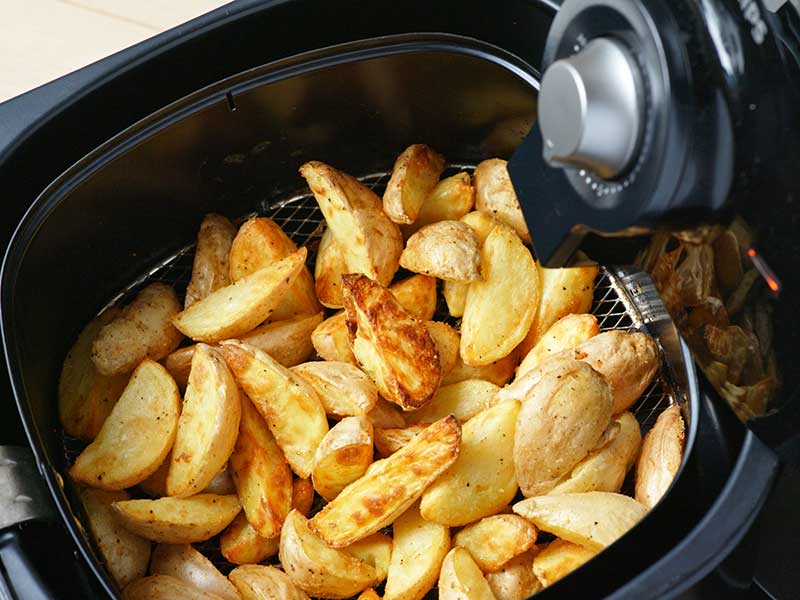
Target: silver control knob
[[590, 109]]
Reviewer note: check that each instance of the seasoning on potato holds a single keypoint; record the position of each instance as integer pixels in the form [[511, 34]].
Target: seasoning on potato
[[494, 194], [447, 250]]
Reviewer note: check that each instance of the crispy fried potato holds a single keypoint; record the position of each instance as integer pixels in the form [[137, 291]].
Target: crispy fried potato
[[261, 474], [498, 372], [495, 540], [515, 579], [662, 453], [328, 270], [208, 425], [392, 347], [385, 415], [125, 554], [511, 280], [331, 339], [390, 440], [455, 295], [85, 396], [137, 435], [389, 487], [568, 332], [318, 569], [210, 270], [302, 496], [343, 456], [375, 550], [447, 250], [452, 198], [417, 294], [241, 544], [464, 400], [344, 390], [419, 549], [164, 587], [370, 243], [142, 330], [558, 560], [289, 405], [562, 419], [414, 176], [178, 520], [494, 194], [590, 519], [239, 307], [461, 579], [447, 341], [259, 582], [187, 564]]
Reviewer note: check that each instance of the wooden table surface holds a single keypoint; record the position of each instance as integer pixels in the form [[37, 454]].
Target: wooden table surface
[[41, 40]]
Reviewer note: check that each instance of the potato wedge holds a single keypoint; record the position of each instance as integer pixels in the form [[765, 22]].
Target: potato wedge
[[137, 435], [451, 199], [331, 339], [386, 415], [210, 270], [259, 582], [461, 579], [370, 243], [562, 419], [261, 474], [208, 425], [302, 496], [389, 441], [344, 390], [237, 308], [591, 519], [389, 487], [142, 330], [392, 347], [155, 486], [318, 569], [125, 554], [414, 176], [328, 270], [164, 587], [187, 564], [455, 295], [495, 540], [85, 396], [515, 579], [241, 544], [568, 332], [481, 482], [447, 341], [494, 194], [290, 406], [604, 470], [369, 594], [375, 550], [447, 250], [510, 280], [482, 224], [564, 291], [221, 483], [417, 294], [178, 520], [662, 453], [498, 372], [558, 560], [464, 400], [343, 456], [419, 549]]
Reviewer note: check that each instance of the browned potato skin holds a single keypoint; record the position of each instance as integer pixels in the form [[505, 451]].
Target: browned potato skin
[[495, 540], [498, 372], [390, 440], [414, 176], [183, 562], [260, 582], [142, 330], [328, 270], [568, 332], [241, 544], [452, 198], [447, 249], [558, 560], [461, 579], [164, 587], [662, 453], [210, 270], [343, 456], [494, 194], [344, 390], [515, 580]]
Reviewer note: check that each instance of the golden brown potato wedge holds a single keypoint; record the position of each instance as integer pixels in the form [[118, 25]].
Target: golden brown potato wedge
[[385, 415], [164, 587], [417, 294], [419, 549], [568, 332], [481, 482], [210, 270], [558, 560], [662, 453], [137, 435], [494, 194], [388, 441], [447, 249], [375, 550], [262, 476], [461, 579], [562, 419], [515, 580], [85, 396], [451, 199], [318, 569], [125, 554], [241, 544], [590, 519], [498, 372], [393, 348], [187, 564], [344, 390], [208, 425], [261, 582], [155, 486], [221, 483], [455, 295], [389, 487], [370, 243], [302, 496], [464, 400], [414, 176], [289, 405], [331, 339], [510, 280], [447, 341], [237, 308], [328, 270], [369, 594], [343, 456], [482, 224], [178, 520], [142, 330], [495, 540]]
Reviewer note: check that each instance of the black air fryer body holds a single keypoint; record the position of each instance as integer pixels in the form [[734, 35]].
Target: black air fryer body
[[710, 514]]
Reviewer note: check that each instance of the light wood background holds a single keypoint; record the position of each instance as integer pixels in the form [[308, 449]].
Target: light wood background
[[41, 40]]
